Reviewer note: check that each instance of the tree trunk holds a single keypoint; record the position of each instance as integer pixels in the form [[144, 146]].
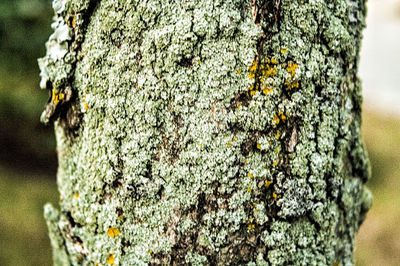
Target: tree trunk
[[206, 132]]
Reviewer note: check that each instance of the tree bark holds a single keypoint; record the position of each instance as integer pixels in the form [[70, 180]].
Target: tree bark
[[206, 132]]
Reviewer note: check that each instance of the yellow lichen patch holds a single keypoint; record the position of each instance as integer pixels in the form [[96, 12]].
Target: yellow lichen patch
[[274, 195], [149, 251], [228, 143], [110, 258], [275, 163], [121, 218], [282, 116], [73, 22], [250, 227], [249, 189], [291, 85], [268, 183], [234, 138], [283, 51], [76, 195], [239, 71], [113, 232], [239, 106], [85, 103], [291, 68], [251, 224], [269, 71], [259, 146], [253, 69], [260, 72], [250, 175], [276, 119], [278, 135], [57, 96], [336, 263], [198, 61], [267, 90]]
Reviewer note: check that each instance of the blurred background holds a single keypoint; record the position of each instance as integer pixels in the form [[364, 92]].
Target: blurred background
[[27, 148], [378, 240]]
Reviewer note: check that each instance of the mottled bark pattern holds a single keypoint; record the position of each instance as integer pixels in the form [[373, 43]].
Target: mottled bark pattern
[[206, 132]]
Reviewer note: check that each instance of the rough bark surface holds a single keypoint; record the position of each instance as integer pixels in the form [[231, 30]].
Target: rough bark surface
[[206, 132]]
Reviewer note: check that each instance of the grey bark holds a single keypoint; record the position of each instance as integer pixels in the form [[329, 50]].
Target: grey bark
[[206, 132]]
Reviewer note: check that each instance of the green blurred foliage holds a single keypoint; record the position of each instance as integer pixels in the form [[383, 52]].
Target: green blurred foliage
[[24, 29], [23, 234], [27, 148], [24, 26]]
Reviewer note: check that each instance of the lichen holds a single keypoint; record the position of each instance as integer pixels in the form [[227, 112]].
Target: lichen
[[207, 134]]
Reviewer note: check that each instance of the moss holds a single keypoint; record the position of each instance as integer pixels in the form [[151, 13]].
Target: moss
[[159, 88]]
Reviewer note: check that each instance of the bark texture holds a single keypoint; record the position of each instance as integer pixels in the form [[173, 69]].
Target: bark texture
[[206, 132]]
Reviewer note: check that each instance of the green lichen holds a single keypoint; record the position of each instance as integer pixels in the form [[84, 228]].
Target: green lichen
[[170, 131]]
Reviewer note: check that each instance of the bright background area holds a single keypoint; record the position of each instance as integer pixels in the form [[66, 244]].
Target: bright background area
[[378, 240], [380, 57], [27, 148]]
